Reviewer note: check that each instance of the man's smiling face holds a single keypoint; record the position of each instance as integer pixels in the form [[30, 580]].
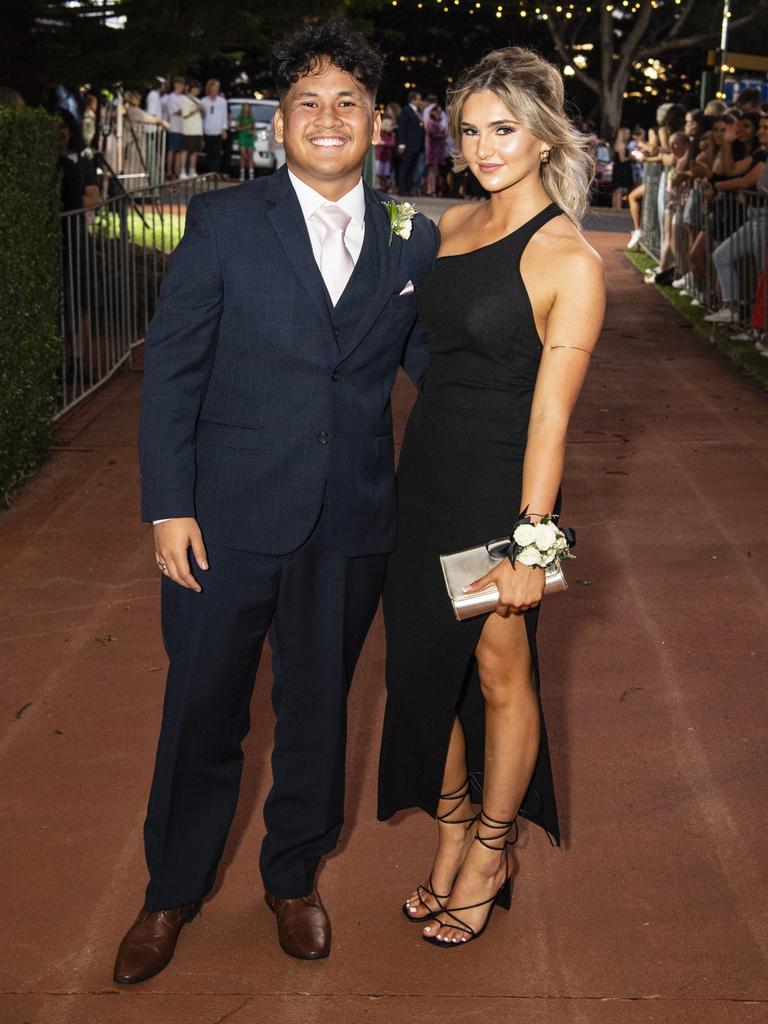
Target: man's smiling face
[[327, 122]]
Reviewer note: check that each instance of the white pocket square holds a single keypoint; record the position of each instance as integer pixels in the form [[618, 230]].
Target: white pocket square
[[408, 289]]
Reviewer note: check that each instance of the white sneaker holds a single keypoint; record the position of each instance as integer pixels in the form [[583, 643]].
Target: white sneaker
[[193, 174], [722, 316], [634, 239], [761, 348], [680, 282], [183, 176]]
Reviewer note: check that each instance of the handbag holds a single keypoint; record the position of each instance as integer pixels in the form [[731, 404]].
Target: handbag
[[464, 567]]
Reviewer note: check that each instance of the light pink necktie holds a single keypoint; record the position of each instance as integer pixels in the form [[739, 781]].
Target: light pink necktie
[[336, 264]]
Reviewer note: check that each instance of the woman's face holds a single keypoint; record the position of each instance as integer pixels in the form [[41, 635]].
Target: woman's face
[[500, 151], [745, 129], [762, 132], [691, 125], [718, 131]]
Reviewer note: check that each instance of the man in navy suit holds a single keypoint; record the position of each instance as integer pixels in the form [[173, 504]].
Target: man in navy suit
[[410, 142], [267, 468]]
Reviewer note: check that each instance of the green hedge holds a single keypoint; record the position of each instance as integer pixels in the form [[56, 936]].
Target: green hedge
[[29, 290]]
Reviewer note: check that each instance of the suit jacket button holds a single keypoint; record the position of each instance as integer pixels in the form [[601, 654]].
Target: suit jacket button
[[322, 437], [336, 375]]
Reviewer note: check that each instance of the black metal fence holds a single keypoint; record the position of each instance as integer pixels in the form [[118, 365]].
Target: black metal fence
[[113, 258]]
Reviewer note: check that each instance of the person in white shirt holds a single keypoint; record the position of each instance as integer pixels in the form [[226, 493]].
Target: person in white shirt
[[215, 122], [175, 135], [191, 129], [155, 105], [153, 102]]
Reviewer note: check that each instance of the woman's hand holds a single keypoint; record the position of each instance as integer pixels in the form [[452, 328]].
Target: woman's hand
[[521, 587]]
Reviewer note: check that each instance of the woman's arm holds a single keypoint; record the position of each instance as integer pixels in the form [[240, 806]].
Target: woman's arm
[[573, 327], [745, 181]]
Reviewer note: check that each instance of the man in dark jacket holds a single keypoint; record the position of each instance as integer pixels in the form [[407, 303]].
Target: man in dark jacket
[[410, 142], [267, 465]]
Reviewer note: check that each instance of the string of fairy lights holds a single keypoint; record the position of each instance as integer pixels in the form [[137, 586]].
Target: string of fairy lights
[[541, 10]]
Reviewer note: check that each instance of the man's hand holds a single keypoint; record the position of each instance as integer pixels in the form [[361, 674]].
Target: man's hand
[[173, 539]]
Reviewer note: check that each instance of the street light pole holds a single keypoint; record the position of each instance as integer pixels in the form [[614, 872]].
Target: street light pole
[[723, 43]]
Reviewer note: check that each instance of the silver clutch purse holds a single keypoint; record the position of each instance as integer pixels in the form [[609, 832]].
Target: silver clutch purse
[[464, 567]]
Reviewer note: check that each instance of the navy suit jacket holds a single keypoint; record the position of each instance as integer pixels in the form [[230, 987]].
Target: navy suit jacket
[[261, 401], [410, 130]]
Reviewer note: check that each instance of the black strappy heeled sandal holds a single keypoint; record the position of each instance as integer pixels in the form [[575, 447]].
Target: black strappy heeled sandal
[[457, 797], [503, 897]]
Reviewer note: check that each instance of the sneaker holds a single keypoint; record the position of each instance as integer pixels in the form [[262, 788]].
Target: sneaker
[[680, 282], [634, 239], [242, 174], [665, 277], [695, 301], [742, 336], [722, 316], [183, 176], [193, 174], [761, 348]]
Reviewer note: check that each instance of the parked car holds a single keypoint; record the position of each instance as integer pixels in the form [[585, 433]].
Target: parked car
[[263, 112], [602, 187]]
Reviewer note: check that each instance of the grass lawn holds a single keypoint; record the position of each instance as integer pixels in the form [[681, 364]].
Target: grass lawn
[[742, 353], [150, 228]]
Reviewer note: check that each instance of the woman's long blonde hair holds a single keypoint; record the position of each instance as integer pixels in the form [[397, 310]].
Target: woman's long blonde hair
[[532, 89]]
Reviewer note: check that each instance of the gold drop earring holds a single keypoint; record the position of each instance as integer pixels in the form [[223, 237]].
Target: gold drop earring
[[544, 155]]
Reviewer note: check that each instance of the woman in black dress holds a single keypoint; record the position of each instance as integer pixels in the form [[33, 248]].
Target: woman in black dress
[[514, 306]]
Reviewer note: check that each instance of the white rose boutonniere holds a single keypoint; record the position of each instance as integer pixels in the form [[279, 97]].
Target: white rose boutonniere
[[400, 219]]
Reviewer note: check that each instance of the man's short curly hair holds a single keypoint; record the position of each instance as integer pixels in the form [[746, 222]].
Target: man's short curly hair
[[299, 53]]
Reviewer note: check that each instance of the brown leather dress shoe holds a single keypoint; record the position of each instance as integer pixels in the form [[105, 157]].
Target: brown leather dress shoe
[[303, 926], [149, 943]]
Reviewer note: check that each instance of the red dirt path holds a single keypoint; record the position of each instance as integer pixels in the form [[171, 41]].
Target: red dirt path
[[654, 681]]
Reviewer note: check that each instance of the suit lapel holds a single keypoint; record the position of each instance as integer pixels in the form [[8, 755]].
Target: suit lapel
[[288, 222], [378, 263]]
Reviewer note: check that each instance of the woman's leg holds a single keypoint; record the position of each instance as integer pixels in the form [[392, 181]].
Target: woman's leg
[[636, 206], [452, 839], [512, 737]]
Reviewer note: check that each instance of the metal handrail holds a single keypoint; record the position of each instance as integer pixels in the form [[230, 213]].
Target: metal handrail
[[113, 258]]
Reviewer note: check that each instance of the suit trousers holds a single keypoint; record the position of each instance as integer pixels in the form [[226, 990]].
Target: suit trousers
[[317, 605], [405, 172]]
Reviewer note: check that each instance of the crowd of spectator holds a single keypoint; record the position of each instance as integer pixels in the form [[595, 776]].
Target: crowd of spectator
[[709, 192], [414, 155]]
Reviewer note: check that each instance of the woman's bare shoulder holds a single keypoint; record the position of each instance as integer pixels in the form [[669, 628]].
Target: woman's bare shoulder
[[453, 218], [568, 243]]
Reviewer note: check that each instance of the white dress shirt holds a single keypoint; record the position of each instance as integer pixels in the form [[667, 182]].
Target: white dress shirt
[[152, 103], [309, 200], [353, 203], [216, 115]]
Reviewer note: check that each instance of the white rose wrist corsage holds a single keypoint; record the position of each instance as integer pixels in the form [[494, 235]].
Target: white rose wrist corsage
[[540, 544]]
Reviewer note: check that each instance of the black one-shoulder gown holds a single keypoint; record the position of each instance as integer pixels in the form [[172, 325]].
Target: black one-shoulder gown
[[459, 486]]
